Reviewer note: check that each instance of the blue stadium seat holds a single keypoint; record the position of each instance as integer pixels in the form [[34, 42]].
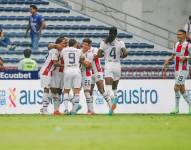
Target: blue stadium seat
[[44, 52], [40, 61], [19, 52], [43, 44], [17, 9], [83, 27], [3, 2], [22, 18], [100, 27], [71, 35], [25, 9], [19, 34], [147, 53], [63, 18], [70, 18], [7, 26], [138, 53], [3, 17], [96, 35], [75, 27], [128, 45], [134, 45], [103, 35], [92, 27], [58, 27], [8, 9], [49, 27], [46, 34], [53, 18], [1, 8], [88, 35], [131, 53], [2, 52], [25, 43], [95, 44], [21, 2], [47, 17], [156, 53], [42, 10], [55, 34], [79, 35], [50, 10], [36, 52]]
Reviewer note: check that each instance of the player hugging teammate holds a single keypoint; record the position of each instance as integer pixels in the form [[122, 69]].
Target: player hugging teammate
[[69, 67]]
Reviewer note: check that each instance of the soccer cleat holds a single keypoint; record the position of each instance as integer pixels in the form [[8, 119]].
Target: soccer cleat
[[114, 105], [44, 111], [56, 113], [75, 112], [66, 112], [90, 113], [189, 112], [176, 111]]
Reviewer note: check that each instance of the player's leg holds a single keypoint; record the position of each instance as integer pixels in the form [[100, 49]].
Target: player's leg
[[114, 88], [76, 89], [68, 84], [87, 89], [100, 86], [177, 99], [66, 99], [56, 100], [45, 84], [186, 96]]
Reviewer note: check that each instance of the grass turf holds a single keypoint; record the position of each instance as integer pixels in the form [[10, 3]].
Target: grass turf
[[99, 132]]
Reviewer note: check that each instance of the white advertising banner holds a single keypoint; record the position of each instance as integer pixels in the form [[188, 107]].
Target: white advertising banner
[[134, 96]]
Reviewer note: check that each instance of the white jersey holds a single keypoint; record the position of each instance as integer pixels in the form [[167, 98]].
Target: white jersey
[[181, 50], [187, 28], [48, 66], [112, 51], [86, 72], [96, 64], [71, 58]]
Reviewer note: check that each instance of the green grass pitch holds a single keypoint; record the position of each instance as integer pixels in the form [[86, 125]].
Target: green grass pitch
[[99, 132]]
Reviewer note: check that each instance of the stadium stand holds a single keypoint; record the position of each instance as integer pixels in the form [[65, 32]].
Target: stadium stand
[[144, 56]]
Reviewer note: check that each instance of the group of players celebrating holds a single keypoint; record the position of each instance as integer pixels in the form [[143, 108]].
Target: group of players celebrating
[[73, 66]]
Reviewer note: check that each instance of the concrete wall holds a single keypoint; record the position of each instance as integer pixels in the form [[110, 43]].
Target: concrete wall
[[169, 14]]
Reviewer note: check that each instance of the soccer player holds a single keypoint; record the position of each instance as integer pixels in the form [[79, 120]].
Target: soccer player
[[57, 75], [97, 78], [72, 74], [52, 61], [86, 73], [112, 50], [182, 52]]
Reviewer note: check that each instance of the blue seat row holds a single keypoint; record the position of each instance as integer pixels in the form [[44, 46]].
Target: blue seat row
[[149, 53], [26, 2], [26, 9], [50, 18], [70, 35]]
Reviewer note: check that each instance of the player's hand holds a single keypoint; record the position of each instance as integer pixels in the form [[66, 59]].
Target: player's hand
[[184, 58]]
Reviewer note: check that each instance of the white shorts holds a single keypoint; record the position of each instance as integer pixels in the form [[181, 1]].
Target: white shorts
[[45, 81], [97, 77], [86, 83], [114, 72], [72, 79], [180, 77], [57, 79]]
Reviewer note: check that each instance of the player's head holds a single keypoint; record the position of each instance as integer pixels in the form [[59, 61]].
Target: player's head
[[27, 53], [190, 19], [181, 35], [86, 44], [1, 29], [112, 35], [1, 62], [33, 9], [61, 43], [72, 43]]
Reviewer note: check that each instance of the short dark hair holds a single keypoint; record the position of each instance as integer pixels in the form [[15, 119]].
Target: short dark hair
[[27, 53], [34, 6], [59, 40], [72, 42], [87, 40], [181, 30], [112, 35], [190, 17]]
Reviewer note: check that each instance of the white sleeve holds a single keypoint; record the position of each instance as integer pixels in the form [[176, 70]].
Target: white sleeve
[[122, 44], [95, 50], [186, 27], [102, 45], [20, 66], [54, 55]]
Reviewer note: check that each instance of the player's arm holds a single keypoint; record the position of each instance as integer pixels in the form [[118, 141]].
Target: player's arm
[[42, 25], [27, 29], [123, 52], [170, 59], [100, 53]]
